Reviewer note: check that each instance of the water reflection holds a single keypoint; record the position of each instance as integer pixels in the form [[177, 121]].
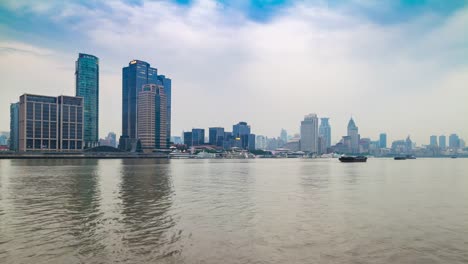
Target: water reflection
[[58, 202], [146, 193]]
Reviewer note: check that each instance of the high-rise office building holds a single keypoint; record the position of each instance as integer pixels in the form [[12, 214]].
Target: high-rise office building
[[134, 76], [383, 140], [151, 117], [284, 136], [353, 133], [442, 142], [433, 141], [325, 133], [188, 139], [241, 132], [216, 136], [87, 87], [14, 127], [167, 84], [309, 133], [137, 74], [198, 136], [50, 123], [454, 141]]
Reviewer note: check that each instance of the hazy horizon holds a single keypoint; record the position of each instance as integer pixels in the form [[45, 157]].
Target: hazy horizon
[[399, 68]]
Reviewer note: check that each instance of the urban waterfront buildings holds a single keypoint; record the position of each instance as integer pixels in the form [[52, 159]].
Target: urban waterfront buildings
[[325, 133], [14, 127], [442, 142], [353, 133], [50, 123], [309, 133], [383, 140], [110, 140], [284, 135], [454, 141], [134, 77], [216, 136], [433, 141], [151, 118], [241, 132], [87, 87]]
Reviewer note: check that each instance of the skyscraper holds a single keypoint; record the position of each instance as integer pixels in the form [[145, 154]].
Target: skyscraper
[[241, 132], [87, 86], [284, 136], [433, 141], [353, 133], [216, 136], [137, 74], [14, 127], [383, 140], [151, 117], [309, 133], [167, 84], [198, 136], [454, 141], [442, 142], [325, 133]]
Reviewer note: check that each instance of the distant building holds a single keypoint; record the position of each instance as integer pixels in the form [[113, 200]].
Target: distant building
[[177, 140], [409, 145], [151, 117], [188, 139], [353, 133], [241, 133], [383, 140], [284, 135], [251, 142], [50, 123], [433, 141], [3, 140], [198, 136], [454, 141], [325, 133], [309, 133], [261, 142], [399, 147], [14, 127], [442, 142], [110, 140], [87, 87], [216, 136]]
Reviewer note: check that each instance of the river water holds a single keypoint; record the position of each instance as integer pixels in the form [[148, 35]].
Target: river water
[[234, 211]]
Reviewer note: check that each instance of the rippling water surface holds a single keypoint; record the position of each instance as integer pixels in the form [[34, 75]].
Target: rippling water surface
[[233, 211]]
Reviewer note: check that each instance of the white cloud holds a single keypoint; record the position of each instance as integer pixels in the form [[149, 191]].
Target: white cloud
[[226, 68]]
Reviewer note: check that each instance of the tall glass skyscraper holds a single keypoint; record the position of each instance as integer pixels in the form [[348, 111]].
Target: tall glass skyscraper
[[325, 131], [134, 77], [14, 127], [167, 83], [87, 86], [383, 140], [137, 74]]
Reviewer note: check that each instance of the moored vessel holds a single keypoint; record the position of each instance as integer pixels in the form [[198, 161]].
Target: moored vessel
[[353, 159]]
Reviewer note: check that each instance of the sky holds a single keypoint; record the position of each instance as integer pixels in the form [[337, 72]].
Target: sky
[[399, 67]]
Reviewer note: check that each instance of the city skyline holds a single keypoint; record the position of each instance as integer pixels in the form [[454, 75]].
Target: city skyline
[[375, 78]]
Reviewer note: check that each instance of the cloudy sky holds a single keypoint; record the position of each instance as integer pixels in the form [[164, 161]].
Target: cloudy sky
[[399, 67]]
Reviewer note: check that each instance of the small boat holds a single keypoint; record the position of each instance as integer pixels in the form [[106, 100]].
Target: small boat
[[353, 159], [410, 157], [454, 157], [399, 158]]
